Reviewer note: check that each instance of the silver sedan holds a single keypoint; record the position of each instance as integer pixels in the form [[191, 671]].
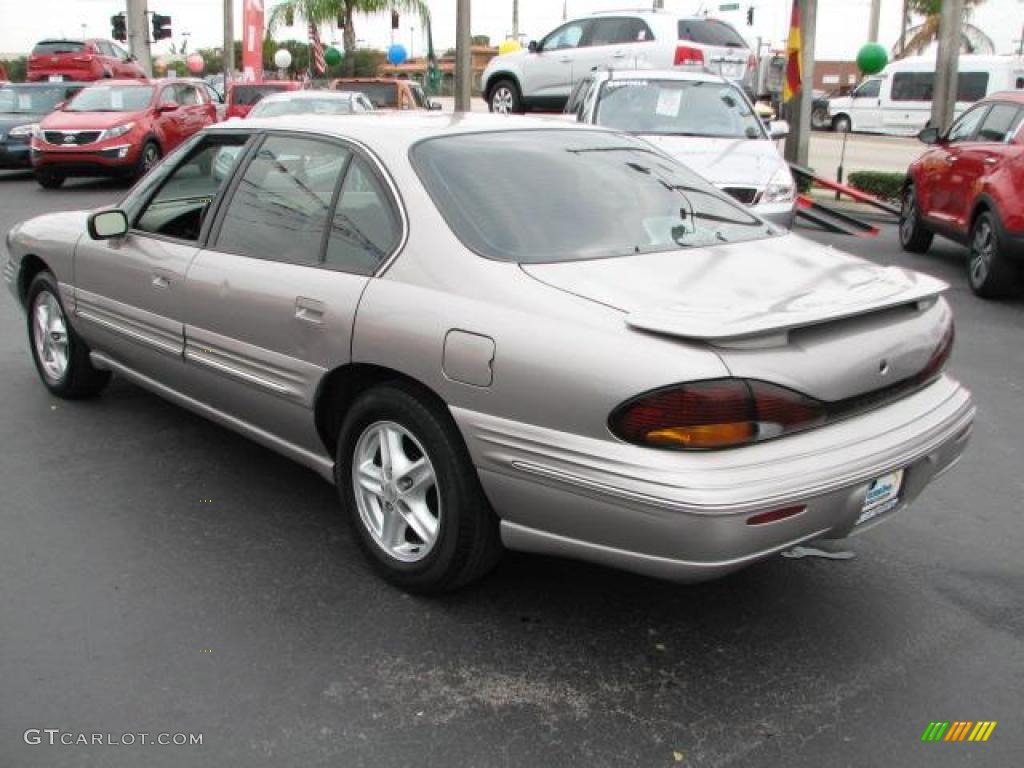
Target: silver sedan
[[488, 333]]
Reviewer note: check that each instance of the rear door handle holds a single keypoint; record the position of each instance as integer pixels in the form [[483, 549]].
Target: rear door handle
[[309, 310]]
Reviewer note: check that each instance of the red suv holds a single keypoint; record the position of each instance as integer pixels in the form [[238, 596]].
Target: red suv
[[81, 60], [242, 97], [969, 187], [118, 128]]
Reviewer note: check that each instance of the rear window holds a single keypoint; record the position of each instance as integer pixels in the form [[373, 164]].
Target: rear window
[[381, 94], [566, 195], [51, 47], [710, 32], [247, 95]]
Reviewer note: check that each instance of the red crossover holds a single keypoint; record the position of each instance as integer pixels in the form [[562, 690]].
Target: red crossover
[[242, 97], [118, 128], [81, 60], [969, 187]]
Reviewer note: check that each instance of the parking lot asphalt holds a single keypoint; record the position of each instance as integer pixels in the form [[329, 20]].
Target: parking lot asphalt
[[159, 574]]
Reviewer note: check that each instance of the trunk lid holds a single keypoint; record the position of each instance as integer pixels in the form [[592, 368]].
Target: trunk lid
[[783, 309]]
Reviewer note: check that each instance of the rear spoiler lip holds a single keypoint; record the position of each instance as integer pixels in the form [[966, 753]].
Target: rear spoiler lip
[[892, 287]]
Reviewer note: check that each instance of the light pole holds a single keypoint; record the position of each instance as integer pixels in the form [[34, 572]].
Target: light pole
[[412, 42], [463, 58]]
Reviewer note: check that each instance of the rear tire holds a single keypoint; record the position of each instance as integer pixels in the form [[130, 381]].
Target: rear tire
[[841, 124], [49, 179], [505, 98], [61, 357], [914, 236], [989, 272], [420, 515]]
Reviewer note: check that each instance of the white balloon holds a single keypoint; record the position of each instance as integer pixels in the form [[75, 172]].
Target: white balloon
[[283, 58]]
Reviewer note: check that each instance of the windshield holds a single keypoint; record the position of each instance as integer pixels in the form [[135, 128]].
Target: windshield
[[112, 98], [381, 94], [564, 195], [677, 107], [302, 107], [31, 100]]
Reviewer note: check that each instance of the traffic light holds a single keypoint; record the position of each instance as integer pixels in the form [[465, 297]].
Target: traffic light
[[394, 19], [161, 27], [750, 16], [118, 30]]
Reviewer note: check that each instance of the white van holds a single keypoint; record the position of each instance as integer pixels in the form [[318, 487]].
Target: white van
[[899, 100]]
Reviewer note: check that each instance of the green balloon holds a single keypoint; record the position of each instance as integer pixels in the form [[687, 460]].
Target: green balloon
[[332, 56], [871, 59]]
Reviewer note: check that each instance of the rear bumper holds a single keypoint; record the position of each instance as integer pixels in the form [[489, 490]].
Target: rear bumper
[[684, 516]]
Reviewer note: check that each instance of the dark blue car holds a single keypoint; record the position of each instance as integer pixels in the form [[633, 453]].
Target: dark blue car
[[22, 106]]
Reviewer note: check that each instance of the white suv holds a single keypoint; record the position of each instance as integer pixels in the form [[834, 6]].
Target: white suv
[[542, 76]]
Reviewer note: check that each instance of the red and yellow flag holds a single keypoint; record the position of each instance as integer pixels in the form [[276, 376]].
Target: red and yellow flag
[[792, 83]]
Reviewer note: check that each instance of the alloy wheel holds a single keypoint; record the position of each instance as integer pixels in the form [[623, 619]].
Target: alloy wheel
[[150, 155], [503, 100], [50, 336], [982, 251], [908, 216], [396, 491]]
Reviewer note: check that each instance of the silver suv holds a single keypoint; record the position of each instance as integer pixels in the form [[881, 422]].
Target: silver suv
[[543, 75]]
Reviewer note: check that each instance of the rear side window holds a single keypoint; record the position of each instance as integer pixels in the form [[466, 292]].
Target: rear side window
[[618, 31], [50, 47], [365, 227], [1001, 121], [920, 86], [971, 86], [710, 32], [279, 210]]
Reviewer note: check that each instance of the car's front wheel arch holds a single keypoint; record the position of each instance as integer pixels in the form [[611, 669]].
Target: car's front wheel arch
[[31, 265]]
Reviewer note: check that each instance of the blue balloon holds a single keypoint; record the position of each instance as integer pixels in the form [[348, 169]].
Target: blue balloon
[[397, 54]]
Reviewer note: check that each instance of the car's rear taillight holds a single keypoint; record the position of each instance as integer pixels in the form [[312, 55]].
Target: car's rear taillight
[[687, 55], [718, 413], [939, 357]]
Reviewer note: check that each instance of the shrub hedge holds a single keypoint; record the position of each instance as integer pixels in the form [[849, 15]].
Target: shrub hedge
[[887, 186]]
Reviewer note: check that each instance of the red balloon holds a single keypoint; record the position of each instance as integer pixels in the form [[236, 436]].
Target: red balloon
[[195, 63]]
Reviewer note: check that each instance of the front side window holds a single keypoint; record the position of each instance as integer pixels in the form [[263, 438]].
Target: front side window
[[1000, 122], [869, 90], [678, 108], [568, 36], [365, 228], [180, 205], [565, 195], [964, 128], [112, 98], [119, 52], [280, 208]]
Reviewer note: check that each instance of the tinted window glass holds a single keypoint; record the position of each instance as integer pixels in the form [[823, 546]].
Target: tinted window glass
[[50, 47], [180, 205], [381, 94], [365, 228], [971, 86], [519, 196], [612, 31], [710, 32], [279, 209], [963, 129], [677, 107], [913, 86], [1002, 120], [247, 95], [112, 98]]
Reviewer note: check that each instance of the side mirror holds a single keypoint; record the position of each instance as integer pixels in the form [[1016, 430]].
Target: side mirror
[[779, 129], [929, 135], [104, 225], [167, 106], [533, 47]]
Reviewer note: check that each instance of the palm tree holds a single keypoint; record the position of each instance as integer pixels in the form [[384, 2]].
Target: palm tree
[[920, 37], [321, 11]]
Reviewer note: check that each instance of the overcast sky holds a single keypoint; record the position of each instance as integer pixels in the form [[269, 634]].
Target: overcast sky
[[842, 24]]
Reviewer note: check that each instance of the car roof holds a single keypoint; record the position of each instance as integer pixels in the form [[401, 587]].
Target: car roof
[[1015, 96], [693, 75], [401, 129]]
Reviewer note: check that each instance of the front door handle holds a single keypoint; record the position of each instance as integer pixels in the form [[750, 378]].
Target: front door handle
[[160, 281], [309, 310], [991, 161]]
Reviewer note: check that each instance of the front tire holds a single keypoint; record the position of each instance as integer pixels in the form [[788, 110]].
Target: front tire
[[148, 158], [49, 179], [989, 273], [841, 124], [61, 357], [914, 236], [505, 98], [412, 493]]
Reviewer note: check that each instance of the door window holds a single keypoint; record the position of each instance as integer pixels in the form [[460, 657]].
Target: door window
[[568, 36], [618, 31], [119, 52], [279, 210], [1002, 121], [168, 95], [868, 90], [187, 95], [181, 203], [365, 227], [105, 49], [963, 129]]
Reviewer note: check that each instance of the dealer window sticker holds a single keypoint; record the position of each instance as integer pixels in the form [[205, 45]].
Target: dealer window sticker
[[668, 102]]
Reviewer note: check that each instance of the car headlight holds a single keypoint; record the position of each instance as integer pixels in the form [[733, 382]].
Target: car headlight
[[780, 188], [25, 130], [120, 130]]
